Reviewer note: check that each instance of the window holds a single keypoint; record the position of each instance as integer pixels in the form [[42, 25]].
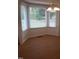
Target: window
[[23, 17], [52, 19], [37, 17]]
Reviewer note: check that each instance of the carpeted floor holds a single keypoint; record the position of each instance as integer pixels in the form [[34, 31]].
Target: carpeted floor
[[43, 47]]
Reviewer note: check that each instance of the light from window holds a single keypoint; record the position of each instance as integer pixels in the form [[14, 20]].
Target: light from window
[[23, 18], [52, 19], [37, 17]]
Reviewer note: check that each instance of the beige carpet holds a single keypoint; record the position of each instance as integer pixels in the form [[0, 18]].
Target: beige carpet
[[43, 47]]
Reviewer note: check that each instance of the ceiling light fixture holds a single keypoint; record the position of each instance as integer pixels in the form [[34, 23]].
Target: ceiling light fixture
[[53, 8], [56, 9], [50, 9]]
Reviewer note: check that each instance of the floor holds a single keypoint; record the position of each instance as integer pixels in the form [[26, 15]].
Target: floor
[[43, 47]]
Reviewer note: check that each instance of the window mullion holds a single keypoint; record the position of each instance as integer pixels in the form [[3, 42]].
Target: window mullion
[[47, 18], [28, 23]]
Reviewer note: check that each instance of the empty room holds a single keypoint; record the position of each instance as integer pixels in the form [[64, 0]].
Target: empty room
[[39, 29]]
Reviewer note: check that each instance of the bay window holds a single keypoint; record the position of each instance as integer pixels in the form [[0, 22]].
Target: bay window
[[36, 17]]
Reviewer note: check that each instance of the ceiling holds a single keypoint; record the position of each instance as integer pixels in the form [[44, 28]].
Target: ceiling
[[45, 2]]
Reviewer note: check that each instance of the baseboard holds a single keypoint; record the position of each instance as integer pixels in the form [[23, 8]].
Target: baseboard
[[36, 36], [30, 37]]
